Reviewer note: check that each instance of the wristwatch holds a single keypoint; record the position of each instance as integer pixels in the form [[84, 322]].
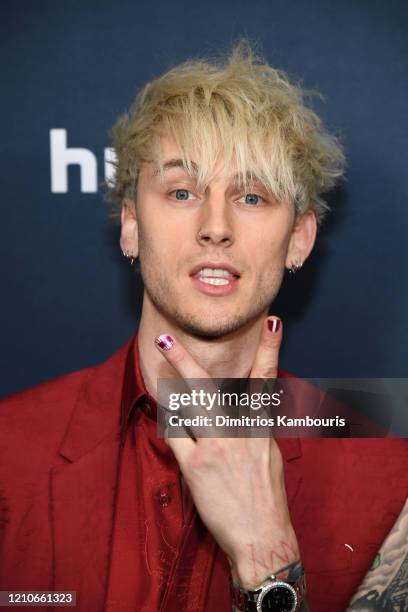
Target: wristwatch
[[273, 595]]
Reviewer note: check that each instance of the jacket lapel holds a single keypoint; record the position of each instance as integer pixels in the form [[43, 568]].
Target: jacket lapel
[[83, 490]]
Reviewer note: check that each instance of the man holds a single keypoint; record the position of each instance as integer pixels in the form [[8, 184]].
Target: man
[[219, 183]]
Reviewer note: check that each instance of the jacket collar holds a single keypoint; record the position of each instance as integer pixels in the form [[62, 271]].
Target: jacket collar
[[97, 410], [134, 390]]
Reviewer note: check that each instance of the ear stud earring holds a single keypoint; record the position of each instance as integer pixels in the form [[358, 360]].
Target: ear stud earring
[[295, 266], [129, 255]]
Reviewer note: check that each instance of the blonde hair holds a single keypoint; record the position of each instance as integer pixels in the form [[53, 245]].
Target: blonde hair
[[238, 106]]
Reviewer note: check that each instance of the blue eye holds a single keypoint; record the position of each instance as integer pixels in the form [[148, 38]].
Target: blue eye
[[253, 199], [181, 194]]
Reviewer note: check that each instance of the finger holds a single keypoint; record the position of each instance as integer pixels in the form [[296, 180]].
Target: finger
[[267, 356], [196, 379], [178, 357]]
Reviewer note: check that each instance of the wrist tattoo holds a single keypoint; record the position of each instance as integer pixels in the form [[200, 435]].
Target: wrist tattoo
[[279, 556]]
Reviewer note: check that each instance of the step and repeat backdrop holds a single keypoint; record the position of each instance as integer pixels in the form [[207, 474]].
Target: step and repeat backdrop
[[70, 299]]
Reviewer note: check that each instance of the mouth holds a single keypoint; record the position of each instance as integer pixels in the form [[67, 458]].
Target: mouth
[[216, 279]]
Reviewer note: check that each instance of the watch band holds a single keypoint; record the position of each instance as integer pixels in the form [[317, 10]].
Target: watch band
[[249, 601]]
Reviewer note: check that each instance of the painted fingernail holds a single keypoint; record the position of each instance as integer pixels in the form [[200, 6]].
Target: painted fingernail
[[274, 325], [164, 342]]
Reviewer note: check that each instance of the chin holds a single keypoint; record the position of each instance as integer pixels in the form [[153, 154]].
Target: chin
[[216, 327], [211, 322]]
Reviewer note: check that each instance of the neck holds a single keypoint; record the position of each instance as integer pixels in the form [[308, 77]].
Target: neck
[[230, 356]]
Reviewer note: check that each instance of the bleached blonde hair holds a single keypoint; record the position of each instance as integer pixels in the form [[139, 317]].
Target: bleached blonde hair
[[238, 106]]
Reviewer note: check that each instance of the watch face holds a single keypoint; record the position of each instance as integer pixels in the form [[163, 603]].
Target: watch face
[[280, 598]]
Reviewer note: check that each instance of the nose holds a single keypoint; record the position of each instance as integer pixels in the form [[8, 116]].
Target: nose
[[215, 224]]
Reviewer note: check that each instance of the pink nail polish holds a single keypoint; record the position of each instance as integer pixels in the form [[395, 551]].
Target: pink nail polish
[[274, 325], [164, 342]]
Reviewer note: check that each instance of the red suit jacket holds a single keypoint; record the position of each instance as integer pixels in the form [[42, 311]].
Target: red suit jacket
[[59, 444]]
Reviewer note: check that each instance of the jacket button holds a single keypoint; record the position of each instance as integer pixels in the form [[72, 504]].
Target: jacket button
[[164, 498]]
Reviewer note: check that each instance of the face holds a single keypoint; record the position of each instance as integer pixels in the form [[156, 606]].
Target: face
[[211, 262]]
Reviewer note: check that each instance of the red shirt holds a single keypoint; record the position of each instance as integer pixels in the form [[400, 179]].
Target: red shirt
[[162, 556]]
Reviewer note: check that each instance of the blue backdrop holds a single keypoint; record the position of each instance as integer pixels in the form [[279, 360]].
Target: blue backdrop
[[69, 299]]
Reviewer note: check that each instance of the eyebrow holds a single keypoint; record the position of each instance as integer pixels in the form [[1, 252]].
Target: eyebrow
[[175, 163], [178, 163]]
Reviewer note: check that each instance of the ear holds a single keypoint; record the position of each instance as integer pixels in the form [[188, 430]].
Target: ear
[[302, 239], [129, 234]]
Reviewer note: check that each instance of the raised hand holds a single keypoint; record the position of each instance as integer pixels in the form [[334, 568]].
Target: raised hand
[[237, 484]]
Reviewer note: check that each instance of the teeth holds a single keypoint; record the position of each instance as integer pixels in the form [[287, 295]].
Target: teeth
[[213, 281], [211, 272]]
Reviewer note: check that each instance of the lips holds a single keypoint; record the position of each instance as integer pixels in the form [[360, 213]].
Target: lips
[[210, 265], [216, 279]]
